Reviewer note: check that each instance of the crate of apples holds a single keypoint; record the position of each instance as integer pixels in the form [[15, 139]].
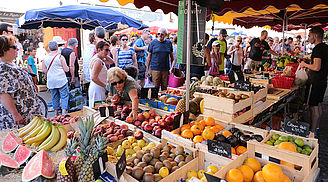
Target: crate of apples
[[113, 131], [64, 119]]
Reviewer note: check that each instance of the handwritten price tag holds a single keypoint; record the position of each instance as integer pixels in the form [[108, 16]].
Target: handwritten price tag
[[297, 128], [219, 148]]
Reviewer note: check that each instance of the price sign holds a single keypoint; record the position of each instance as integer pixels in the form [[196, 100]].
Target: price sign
[[121, 165], [297, 128], [244, 86], [99, 166], [219, 148], [211, 178]]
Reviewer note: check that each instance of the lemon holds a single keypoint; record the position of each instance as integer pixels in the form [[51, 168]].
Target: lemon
[[163, 172], [201, 174], [213, 169], [191, 174]]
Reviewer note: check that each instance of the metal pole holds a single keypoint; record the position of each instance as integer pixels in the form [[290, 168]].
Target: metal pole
[[283, 33], [188, 54]]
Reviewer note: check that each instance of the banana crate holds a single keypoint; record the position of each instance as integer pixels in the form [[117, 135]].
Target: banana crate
[[265, 156], [172, 176]]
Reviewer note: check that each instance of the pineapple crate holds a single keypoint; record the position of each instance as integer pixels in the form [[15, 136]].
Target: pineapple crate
[[254, 149], [248, 130], [171, 137], [308, 163], [176, 175]]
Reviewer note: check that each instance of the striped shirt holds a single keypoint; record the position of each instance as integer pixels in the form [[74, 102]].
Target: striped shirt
[[125, 57]]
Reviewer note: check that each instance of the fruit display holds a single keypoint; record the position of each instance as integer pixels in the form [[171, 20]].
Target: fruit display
[[39, 165], [251, 170], [69, 165], [156, 163], [192, 174], [23, 154], [113, 131], [181, 105], [168, 100], [10, 143], [122, 111], [64, 119], [7, 161], [211, 81], [172, 92], [223, 93], [290, 143], [44, 135]]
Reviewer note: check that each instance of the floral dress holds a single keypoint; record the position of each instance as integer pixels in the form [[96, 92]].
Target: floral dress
[[18, 83]]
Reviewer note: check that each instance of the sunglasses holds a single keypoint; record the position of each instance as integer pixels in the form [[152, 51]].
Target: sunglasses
[[124, 39], [238, 40], [161, 34], [119, 82], [12, 32], [14, 47], [106, 50]]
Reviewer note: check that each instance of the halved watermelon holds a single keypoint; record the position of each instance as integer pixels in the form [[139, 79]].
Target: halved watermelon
[[39, 165], [22, 154], [10, 143], [7, 161]]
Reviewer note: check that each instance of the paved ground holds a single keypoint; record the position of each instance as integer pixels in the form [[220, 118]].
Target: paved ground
[[323, 137]]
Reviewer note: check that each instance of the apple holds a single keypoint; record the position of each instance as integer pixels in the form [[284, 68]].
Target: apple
[[143, 124], [138, 135], [158, 132], [129, 133], [126, 109], [152, 112], [110, 130], [114, 107], [112, 123], [154, 124], [113, 138], [141, 117], [162, 124], [129, 119], [123, 131], [146, 115], [170, 128], [124, 126], [169, 120], [117, 127], [151, 117], [105, 134], [148, 127], [157, 118], [172, 114], [151, 121], [110, 135], [156, 128], [117, 133], [165, 116], [137, 123], [120, 137]]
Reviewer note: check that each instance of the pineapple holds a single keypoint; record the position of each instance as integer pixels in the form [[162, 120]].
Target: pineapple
[[85, 139], [70, 149], [181, 106], [86, 173]]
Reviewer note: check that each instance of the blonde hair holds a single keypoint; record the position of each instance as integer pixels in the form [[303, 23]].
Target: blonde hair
[[116, 74]]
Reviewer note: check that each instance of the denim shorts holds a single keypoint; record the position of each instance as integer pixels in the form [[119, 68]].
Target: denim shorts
[[142, 71], [60, 94]]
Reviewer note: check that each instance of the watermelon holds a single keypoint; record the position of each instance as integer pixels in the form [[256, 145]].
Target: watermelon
[[7, 161], [10, 143], [22, 154], [39, 165]]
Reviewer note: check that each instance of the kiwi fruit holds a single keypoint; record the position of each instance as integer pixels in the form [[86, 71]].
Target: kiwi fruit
[[142, 164], [131, 159], [181, 163], [136, 161], [162, 157], [175, 168], [155, 152], [137, 172], [140, 154], [188, 159], [128, 170], [167, 148], [157, 177], [153, 161], [173, 163], [147, 151], [158, 166], [167, 164], [167, 154], [179, 158], [170, 159], [149, 169], [129, 163], [172, 155], [147, 158], [148, 177], [160, 146], [179, 150]]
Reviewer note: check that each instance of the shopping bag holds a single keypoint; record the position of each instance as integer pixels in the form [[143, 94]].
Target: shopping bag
[[76, 100], [300, 76], [176, 78], [148, 83], [214, 69]]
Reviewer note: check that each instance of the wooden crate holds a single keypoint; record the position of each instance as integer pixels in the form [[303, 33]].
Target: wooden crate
[[243, 118], [259, 81], [169, 136], [277, 93], [294, 175], [260, 95], [258, 109], [308, 163]]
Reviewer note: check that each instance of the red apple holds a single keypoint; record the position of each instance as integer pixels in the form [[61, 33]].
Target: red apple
[[110, 135], [154, 124], [113, 138], [146, 115], [165, 116], [123, 131], [137, 123], [117, 127], [110, 130], [162, 123], [172, 114], [120, 137], [138, 135], [151, 121], [129, 119], [124, 126], [157, 118], [112, 123], [169, 120], [148, 127], [129, 133], [156, 128], [141, 117], [158, 132], [151, 117], [144, 124], [152, 113]]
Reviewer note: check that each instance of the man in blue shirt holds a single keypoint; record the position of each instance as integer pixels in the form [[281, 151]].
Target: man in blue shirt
[[160, 51], [31, 61]]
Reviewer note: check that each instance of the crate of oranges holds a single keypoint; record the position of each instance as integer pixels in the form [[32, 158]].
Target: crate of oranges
[[194, 132]]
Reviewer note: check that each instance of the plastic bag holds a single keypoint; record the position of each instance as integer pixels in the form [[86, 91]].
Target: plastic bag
[[148, 83], [301, 76], [76, 100]]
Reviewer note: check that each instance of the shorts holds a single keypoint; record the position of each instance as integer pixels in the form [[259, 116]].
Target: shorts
[[160, 78], [142, 71], [317, 93]]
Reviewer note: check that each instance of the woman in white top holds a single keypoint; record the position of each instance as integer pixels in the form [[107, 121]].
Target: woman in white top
[[237, 56], [98, 73], [54, 65]]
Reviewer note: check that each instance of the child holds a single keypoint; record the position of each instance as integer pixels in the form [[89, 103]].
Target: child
[[131, 71], [31, 63]]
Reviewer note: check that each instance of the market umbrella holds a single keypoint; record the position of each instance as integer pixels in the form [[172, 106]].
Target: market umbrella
[[77, 16], [238, 33]]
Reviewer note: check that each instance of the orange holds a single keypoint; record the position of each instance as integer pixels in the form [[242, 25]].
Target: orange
[[175, 132], [187, 133], [241, 149], [286, 179], [273, 173], [202, 122], [201, 126], [208, 134], [234, 175], [193, 123], [258, 177], [287, 146], [233, 151], [247, 173], [198, 139], [219, 127], [196, 129], [209, 121], [226, 133], [185, 126], [253, 164]]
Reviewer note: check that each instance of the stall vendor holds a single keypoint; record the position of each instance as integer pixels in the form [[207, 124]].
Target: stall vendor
[[126, 87], [18, 97]]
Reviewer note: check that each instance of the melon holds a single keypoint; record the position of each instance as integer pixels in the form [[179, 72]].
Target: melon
[[22, 154], [39, 165], [10, 143], [7, 161]]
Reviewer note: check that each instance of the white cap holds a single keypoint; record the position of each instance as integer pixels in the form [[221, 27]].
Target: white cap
[[59, 40]]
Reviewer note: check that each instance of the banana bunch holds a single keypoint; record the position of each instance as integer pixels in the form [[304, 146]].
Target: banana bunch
[[43, 134]]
